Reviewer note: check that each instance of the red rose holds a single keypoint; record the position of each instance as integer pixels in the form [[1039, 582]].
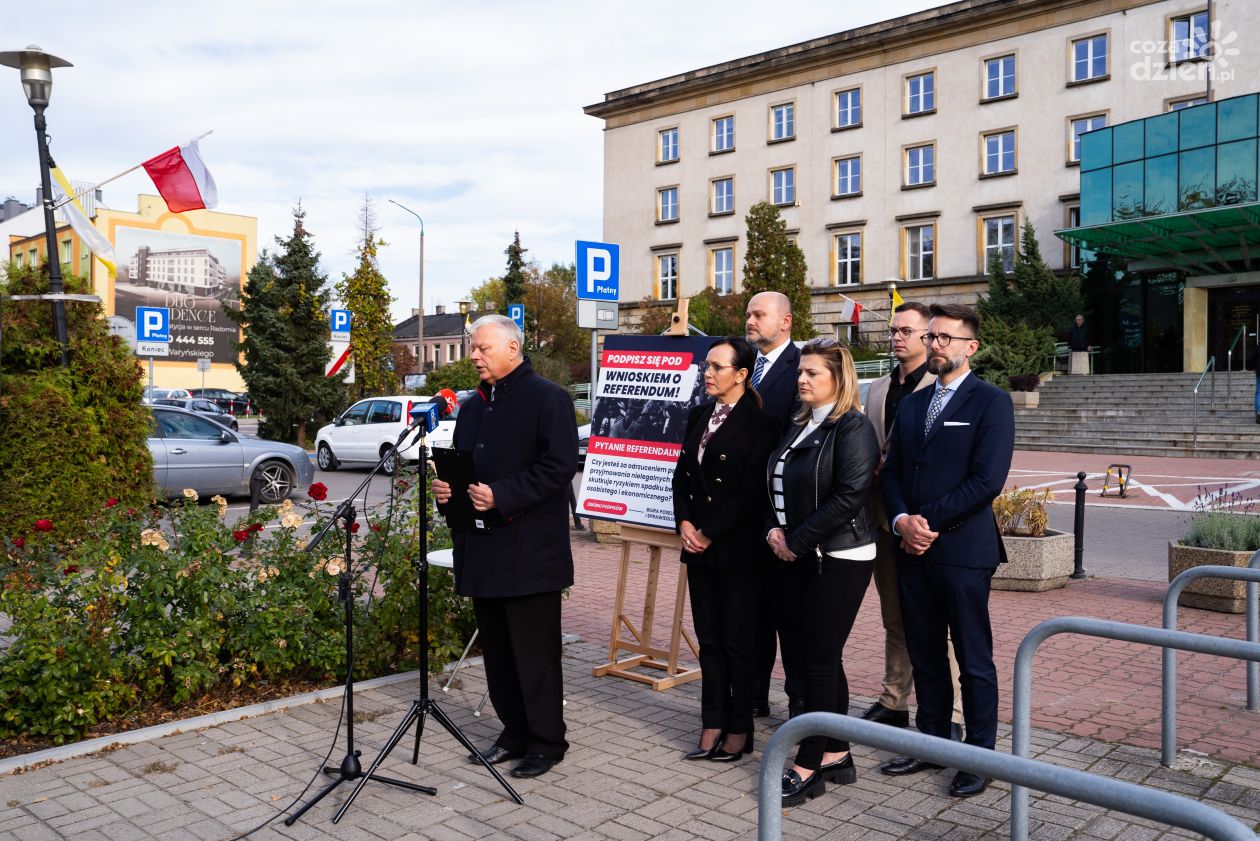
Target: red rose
[[255, 526], [354, 527], [19, 542], [70, 569], [240, 535], [131, 512], [374, 527], [318, 492], [403, 484], [111, 502], [43, 525]]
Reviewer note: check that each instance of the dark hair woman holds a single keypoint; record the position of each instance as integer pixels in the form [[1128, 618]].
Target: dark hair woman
[[719, 507], [819, 479]]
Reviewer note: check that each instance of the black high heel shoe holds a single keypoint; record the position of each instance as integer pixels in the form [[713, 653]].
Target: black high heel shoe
[[720, 755], [796, 791], [706, 753], [841, 772]]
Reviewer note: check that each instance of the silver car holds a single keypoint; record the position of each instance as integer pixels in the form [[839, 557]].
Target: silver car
[[190, 451]]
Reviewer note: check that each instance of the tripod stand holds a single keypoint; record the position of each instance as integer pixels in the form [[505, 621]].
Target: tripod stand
[[350, 769], [423, 706]]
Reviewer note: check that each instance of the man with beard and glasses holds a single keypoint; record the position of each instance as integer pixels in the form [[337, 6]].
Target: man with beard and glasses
[[949, 454]]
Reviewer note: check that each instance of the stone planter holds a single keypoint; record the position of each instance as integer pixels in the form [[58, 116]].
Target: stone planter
[[1209, 593], [1026, 399], [1036, 564], [606, 531]]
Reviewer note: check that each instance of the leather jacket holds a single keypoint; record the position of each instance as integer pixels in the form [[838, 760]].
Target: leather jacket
[[827, 482]]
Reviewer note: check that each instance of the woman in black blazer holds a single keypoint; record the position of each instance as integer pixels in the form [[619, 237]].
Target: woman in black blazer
[[719, 505], [819, 479]]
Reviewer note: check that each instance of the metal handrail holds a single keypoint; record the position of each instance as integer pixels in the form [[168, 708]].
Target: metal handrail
[[1124, 631], [1229, 354], [1130, 798], [1211, 366]]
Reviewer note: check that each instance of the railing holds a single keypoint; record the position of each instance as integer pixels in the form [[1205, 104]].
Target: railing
[[1211, 366], [870, 368], [1130, 798], [1106, 629], [581, 393], [1229, 354]]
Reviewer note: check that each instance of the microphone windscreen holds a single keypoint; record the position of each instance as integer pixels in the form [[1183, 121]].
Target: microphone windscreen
[[428, 412], [449, 398]]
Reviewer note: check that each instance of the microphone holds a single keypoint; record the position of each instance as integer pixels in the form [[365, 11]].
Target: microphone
[[430, 412]]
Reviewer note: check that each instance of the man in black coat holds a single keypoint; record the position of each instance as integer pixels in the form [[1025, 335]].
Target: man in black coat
[[769, 328], [522, 433]]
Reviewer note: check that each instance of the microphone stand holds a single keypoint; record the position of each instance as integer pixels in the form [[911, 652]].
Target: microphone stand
[[424, 706], [350, 769]]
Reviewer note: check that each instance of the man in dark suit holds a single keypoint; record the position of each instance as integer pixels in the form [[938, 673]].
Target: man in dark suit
[[949, 455], [522, 433], [769, 328]]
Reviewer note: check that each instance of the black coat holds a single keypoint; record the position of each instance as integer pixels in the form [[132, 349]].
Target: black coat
[[723, 496], [779, 395], [524, 446]]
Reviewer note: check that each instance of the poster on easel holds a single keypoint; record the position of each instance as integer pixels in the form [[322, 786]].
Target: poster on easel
[[646, 387]]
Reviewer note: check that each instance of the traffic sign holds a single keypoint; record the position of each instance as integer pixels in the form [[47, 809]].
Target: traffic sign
[[124, 329], [203, 364], [153, 348], [339, 325], [153, 324], [597, 315], [516, 312], [598, 271]]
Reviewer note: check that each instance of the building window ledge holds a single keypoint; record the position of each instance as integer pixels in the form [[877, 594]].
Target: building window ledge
[[772, 141], [840, 196], [926, 113], [1076, 83], [835, 129], [666, 221], [922, 186], [987, 99], [1007, 173]]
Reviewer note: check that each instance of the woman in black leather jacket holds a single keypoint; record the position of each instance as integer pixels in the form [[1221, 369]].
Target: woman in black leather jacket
[[819, 479]]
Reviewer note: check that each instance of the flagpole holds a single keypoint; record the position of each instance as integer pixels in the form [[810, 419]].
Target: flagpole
[[100, 184]]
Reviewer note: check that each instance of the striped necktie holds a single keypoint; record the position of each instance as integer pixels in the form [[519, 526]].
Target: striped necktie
[[934, 409], [759, 370]]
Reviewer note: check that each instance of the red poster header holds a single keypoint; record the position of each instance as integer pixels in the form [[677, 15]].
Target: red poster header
[[628, 448], [657, 360]]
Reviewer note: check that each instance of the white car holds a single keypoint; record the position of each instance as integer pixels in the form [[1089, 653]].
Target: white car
[[363, 433], [151, 394]]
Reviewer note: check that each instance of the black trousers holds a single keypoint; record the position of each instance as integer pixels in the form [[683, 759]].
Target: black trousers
[[936, 598], [520, 640], [722, 608], [767, 639], [816, 613]]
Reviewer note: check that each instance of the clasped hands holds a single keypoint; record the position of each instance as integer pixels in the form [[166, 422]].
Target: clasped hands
[[693, 540], [777, 538], [916, 535], [482, 495]]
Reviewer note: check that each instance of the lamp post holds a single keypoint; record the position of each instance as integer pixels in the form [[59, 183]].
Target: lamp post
[[36, 68], [464, 307], [420, 314]]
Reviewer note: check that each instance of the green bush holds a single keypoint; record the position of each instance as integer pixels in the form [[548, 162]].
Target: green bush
[[457, 376], [74, 436], [1223, 520], [1011, 349]]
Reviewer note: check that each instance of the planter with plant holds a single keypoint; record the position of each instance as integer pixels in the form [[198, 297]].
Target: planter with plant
[[1024, 390], [1224, 531], [1037, 558]]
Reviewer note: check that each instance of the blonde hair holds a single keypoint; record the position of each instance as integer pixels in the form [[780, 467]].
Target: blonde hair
[[839, 363]]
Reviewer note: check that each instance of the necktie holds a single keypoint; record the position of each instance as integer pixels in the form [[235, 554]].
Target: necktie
[[938, 400], [758, 370]]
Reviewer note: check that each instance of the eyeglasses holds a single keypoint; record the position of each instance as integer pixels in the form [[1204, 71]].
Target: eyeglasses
[[821, 343], [716, 368], [943, 339], [904, 332]]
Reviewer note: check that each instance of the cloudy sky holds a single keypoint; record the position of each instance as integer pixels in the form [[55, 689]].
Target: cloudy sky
[[467, 111]]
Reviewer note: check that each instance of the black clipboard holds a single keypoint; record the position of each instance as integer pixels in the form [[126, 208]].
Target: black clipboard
[[455, 467]]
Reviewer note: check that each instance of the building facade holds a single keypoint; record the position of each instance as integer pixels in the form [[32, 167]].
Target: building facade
[[905, 152], [444, 340]]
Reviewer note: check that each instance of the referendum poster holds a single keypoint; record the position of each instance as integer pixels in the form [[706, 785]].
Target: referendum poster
[[646, 387]]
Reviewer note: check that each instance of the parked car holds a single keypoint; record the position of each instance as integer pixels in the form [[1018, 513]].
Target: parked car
[[192, 452], [228, 401], [151, 394], [584, 438], [363, 433], [203, 407], [444, 435]]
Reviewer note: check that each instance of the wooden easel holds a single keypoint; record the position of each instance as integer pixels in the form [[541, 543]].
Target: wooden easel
[[639, 643]]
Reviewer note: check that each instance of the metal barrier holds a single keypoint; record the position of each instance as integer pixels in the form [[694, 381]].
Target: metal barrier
[[1210, 367], [1124, 631], [581, 393], [1130, 798], [1168, 704]]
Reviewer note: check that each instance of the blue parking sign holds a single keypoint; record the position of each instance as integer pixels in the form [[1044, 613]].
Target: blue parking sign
[[153, 324], [339, 324], [516, 312], [598, 271]]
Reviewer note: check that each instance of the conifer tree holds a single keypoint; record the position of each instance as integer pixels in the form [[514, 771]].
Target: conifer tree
[[366, 294], [774, 263], [515, 285]]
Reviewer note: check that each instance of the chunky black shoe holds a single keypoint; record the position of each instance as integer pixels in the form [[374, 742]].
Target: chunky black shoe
[[720, 755], [496, 754], [534, 765], [902, 765], [796, 791], [967, 784], [880, 714], [842, 772]]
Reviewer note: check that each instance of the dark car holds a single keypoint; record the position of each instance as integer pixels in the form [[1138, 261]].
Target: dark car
[[204, 407], [228, 401]]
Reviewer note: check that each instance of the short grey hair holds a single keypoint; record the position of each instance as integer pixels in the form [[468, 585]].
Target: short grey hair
[[505, 324]]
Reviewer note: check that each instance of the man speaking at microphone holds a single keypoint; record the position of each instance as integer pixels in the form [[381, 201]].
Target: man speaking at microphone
[[522, 433]]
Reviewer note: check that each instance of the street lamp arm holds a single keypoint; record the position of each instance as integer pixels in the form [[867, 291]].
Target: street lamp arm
[[412, 212], [420, 290]]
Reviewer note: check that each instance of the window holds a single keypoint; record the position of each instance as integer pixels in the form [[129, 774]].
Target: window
[[847, 333], [722, 261], [1189, 37], [667, 276], [783, 186], [999, 77], [19, 259], [724, 134], [723, 199], [919, 251], [667, 146], [667, 205], [999, 153], [384, 411], [848, 249], [1078, 126], [1178, 104], [848, 176], [783, 122], [65, 250], [920, 165], [1074, 252], [921, 93], [999, 239], [849, 108], [1089, 58]]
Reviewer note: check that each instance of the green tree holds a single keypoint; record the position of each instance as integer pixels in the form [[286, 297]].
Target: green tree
[[366, 294], [490, 296], [550, 299], [772, 262], [457, 376], [1033, 294], [515, 283], [284, 318], [1010, 348]]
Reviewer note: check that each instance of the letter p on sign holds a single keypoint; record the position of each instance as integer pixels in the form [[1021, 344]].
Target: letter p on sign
[[597, 271]]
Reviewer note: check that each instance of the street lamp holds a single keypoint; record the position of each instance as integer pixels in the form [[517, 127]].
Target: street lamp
[[36, 67], [420, 314]]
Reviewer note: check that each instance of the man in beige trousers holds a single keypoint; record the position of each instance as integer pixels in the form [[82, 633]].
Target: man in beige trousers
[[909, 323]]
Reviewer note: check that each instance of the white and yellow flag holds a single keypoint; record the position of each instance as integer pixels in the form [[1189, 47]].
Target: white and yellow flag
[[94, 240]]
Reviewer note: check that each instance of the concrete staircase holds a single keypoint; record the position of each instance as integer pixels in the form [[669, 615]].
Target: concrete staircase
[[1143, 414]]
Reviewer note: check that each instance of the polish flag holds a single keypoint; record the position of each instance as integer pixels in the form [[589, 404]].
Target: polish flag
[[851, 312], [182, 178]]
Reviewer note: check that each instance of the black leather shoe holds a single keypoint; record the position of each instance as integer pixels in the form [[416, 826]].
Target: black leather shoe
[[903, 765], [705, 753], [796, 708], [796, 791], [762, 711], [496, 754], [880, 714], [841, 772], [720, 755], [534, 765], [967, 784]]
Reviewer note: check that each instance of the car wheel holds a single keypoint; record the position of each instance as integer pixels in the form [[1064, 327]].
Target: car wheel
[[236, 427], [324, 457], [391, 465], [275, 480]]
